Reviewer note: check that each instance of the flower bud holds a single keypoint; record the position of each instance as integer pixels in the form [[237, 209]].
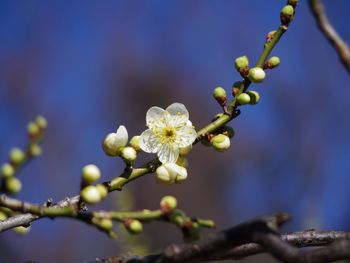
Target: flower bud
[[90, 173], [256, 75], [41, 122], [273, 62], [135, 143], [113, 142], [220, 95], [243, 98], [134, 226], [185, 150], [270, 35], [35, 150], [21, 230], [254, 97], [168, 203], [90, 195], [286, 15], [13, 185], [17, 156], [33, 129], [241, 63], [7, 170], [102, 190], [170, 173], [106, 224], [221, 142], [129, 154]]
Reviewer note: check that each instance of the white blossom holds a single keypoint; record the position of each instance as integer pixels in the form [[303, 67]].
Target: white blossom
[[168, 130]]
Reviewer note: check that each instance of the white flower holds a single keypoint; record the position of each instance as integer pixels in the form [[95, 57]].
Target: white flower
[[170, 173], [113, 142], [168, 131]]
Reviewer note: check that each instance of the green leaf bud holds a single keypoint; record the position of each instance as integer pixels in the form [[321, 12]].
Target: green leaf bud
[[35, 150], [241, 63], [7, 170], [90, 195], [13, 185], [185, 150], [33, 129], [114, 142], [135, 143], [256, 75], [21, 230], [17, 156], [243, 99], [134, 226], [102, 190], [273, 62], [254, 97], [220, 95], [106, 224], [168, 203], [221, 142], [129, 154], [90, 173], [41, 122]]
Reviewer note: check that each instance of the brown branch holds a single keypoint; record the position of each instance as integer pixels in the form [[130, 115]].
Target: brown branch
[[284, 247], [330, 33]]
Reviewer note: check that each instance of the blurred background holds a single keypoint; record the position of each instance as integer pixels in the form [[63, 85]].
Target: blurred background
[[90, 66]]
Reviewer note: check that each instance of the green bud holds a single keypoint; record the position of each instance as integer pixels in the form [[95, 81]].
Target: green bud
[[7, 170], [168, 203], [90, 195], [129, 154], [90, 173], [13, 185], [3, 216], [134, 226], [256, 75], [17, 156], [182, 161], [106, 224], [220, 94], [41, 122], [135, 143], [243, 99], [254, 97], [286, 15], [102, 190], [21, 230], [33, 129], [273, 62], [241, 63], [221, 142], [35, 150], [185, 150]]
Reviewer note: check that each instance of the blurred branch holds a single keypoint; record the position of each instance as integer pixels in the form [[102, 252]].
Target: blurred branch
[[330, 33], [234, 243]]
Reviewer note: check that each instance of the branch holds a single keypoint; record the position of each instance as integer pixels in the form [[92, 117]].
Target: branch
[[330, 33]]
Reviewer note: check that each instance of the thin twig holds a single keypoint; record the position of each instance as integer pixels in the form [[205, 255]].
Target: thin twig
[[330, 33]]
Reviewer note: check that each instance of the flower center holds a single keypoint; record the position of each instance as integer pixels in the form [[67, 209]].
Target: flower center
[[168, 134]]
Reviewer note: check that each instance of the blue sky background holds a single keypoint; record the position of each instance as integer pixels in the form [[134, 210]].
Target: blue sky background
[[89, 67]]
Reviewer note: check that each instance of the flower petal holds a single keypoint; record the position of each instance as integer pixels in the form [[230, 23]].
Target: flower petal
[[177, 108], [178, 114], [186, 135], [153, 116], [149, 142], [168, 154], [121, 136]]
